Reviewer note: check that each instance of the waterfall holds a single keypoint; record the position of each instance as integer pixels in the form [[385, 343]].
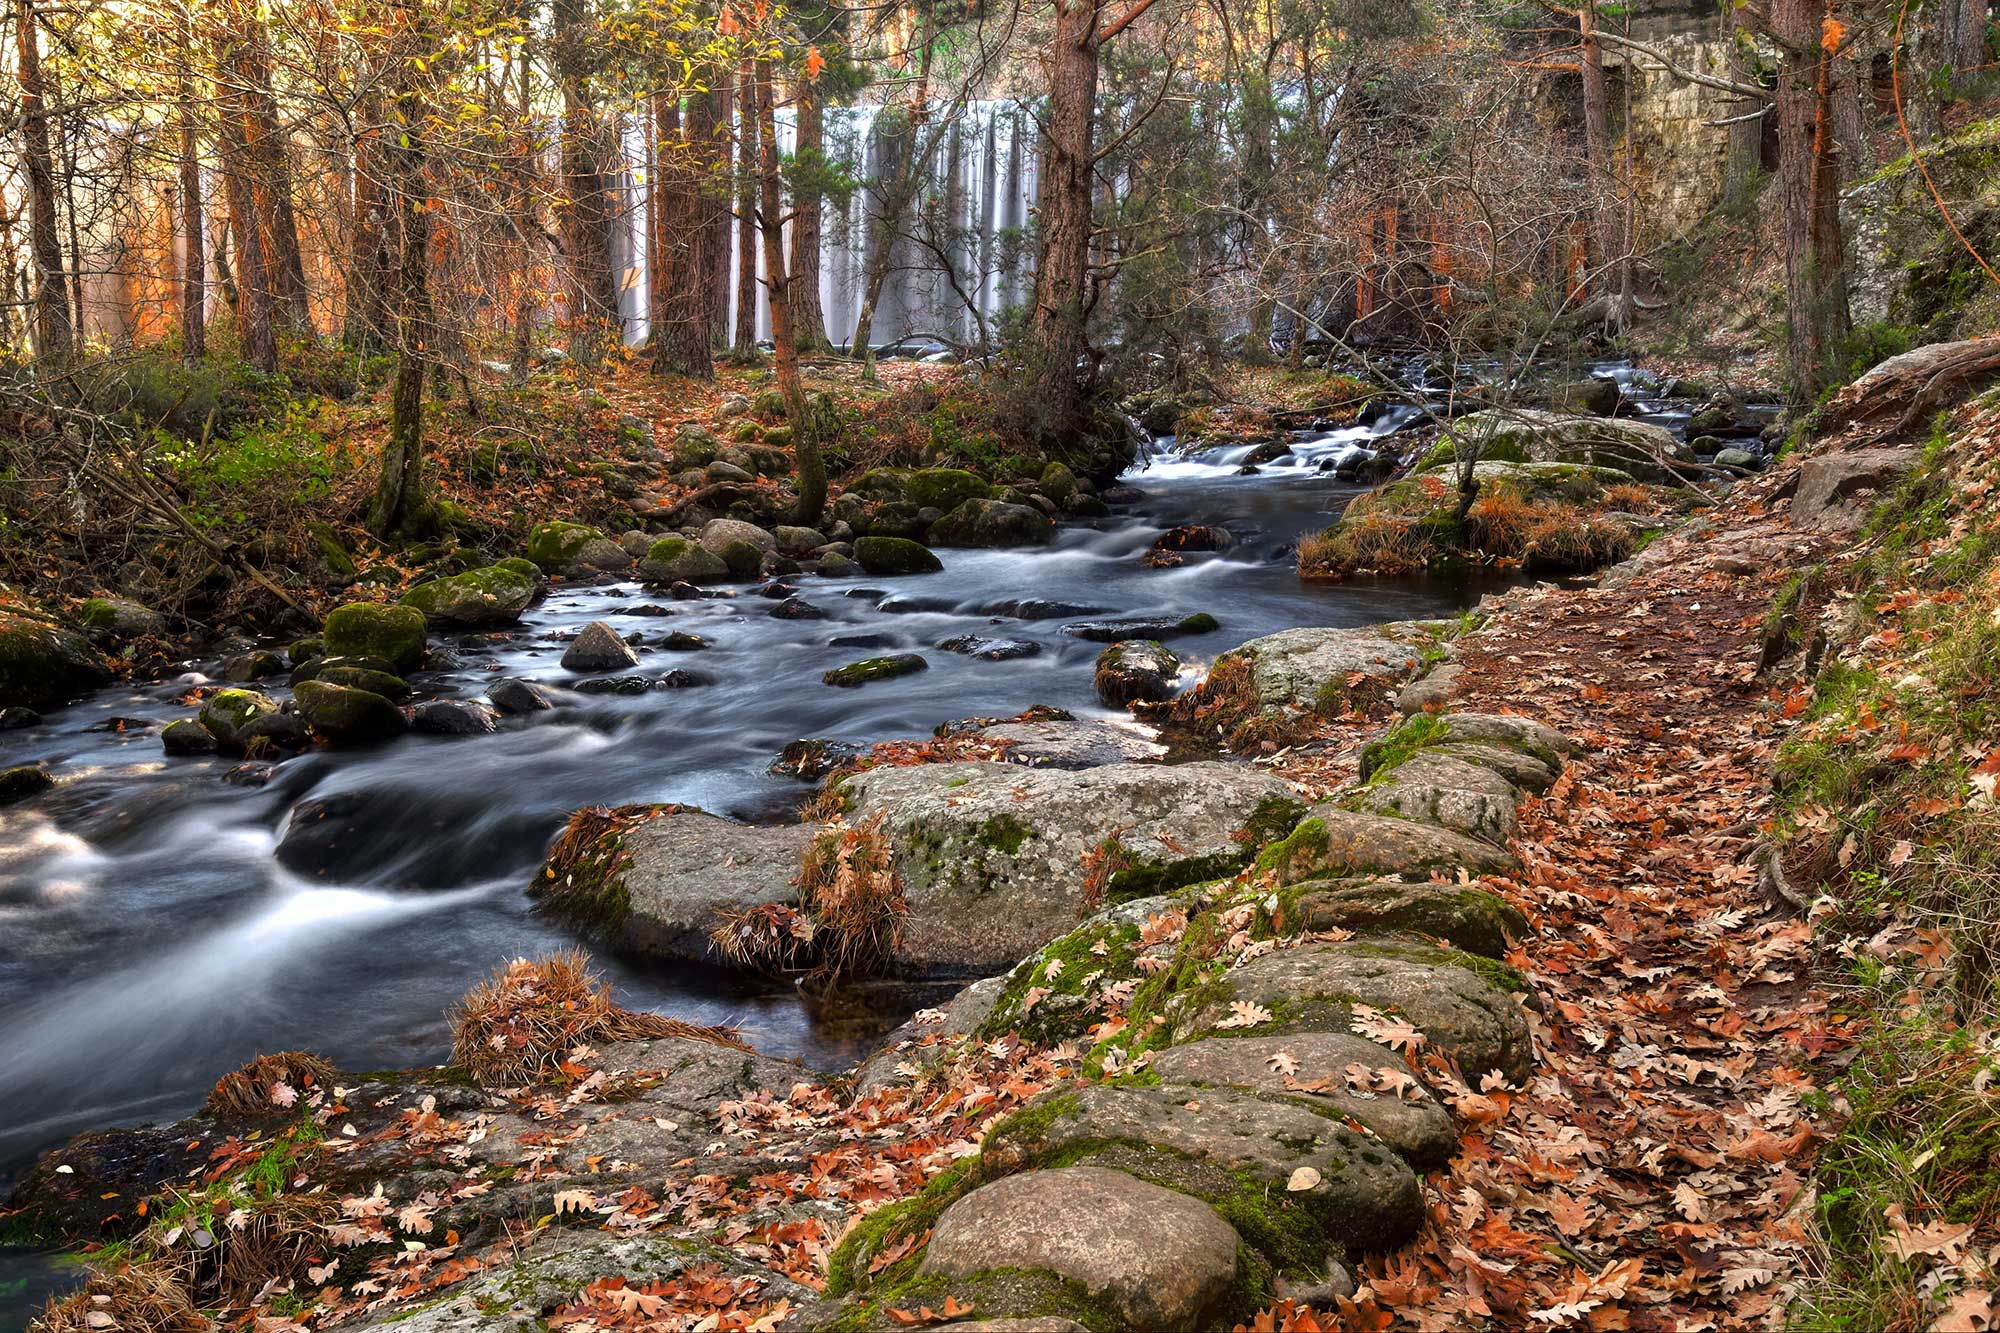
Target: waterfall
[[961, 258]]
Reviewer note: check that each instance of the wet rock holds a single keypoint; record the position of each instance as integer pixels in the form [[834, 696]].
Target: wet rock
[[992, 523], [22, 781], [115, 619], [16, 719], [812, 759], [454, 717], [1415, 1124], [1136, 669], [598, 647], [625, 685], [419, 834], [797, 542], [1194, 537], [392, 634], [554, 546], [661, 883], [680, 641], [43, 663], [775, 590], [476, 599], [994, 857], [186, 736], [989, 650], [1365, 1196], [519, 697], [940, 488], [797, 608], [1035, 608], [344, 713], [225, 713], [1072, 744], [862, 641], [835, 565], [246, 667], [895, 556], [678, 560], [1141, 627], [1156, 1259], [1464, 1005], [875, 668], [275, 731]]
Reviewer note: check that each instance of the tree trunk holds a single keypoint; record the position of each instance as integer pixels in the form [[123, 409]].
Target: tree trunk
[[194, 323], [682, 341], [809, 163], [1744, 163], [721, 199], [369, 257], [255, 306], [1063, 209], [1809, 199], [271, 182], [586, 221], [401, 507], [1606, 280], [784, 340], [55, 335], [748, 111]]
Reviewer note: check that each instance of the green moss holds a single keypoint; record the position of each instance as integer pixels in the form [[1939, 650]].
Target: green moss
[[391, 634], [1153, 878], [874, 668], [847, 1266], [1413, 733], [1004, 833], [1306, 845], [1493, 972], [1201, 622], [553, 546], [1274, 817]]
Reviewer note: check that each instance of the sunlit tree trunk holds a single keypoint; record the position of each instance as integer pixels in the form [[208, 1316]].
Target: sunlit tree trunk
[[369, 257], [778, 282], [585, 217], [808, 314], [744, 343], [55, 335], [255, 304], [194, 321]]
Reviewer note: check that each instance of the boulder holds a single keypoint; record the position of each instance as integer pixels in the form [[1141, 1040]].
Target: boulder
[[22, 781], [797, 542], [1142, 627], [1594, 395], [856, 674], [940, 488], [1057, 743], [344, 713], [226, 713], [678, 560], [1136, 669], [1525, 435], [476, 599], [114, 619], [992, 523], [1465, 1007], [554, 546], [1223, 1144], [1414, 1124], [390, 634], [1740, 459], [1156, 1259], [1438, 788], [660, 883], [1318, 668], [518, 697], [598, 647], [454, 717], [44, 663], [1836, 489], [16, 718], [989, 650], [603, 554], [390, 686], [719, 534], [254, 665], [1466, 917], [1334, 841], [1194, 537], [894, 556], [996, 859], [186, 736], [797, 608]]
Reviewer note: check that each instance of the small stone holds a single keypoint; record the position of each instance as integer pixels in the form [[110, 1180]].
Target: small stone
[[252, 666], [186, 736], [517, 697], [22, 781], [797, 608], [14, 719], [1136, 670], [454, 717], [599, 648], [855, 674], [1159, 1259]]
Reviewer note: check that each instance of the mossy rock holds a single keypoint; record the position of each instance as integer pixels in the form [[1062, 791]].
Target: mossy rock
[[333, 552], [940, 488], [554, 546], [186, 736], [856, 674], [891, 556], [226, 713], [744, 559], [391, 634], [309, 649], [1473, 919], [1059, 484], [386, 684], [22, 781], [678, 560], [769, 404], [44, 663], [117, 618], [341, 712], [476, 599]]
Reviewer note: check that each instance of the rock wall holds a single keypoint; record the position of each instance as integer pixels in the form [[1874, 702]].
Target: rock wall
[[1677, 154]]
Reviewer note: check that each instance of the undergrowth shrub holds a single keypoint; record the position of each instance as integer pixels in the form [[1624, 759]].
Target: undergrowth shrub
[[849, 916]]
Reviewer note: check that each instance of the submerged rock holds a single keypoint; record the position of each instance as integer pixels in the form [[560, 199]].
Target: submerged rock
[[856, 674], [454, 717], [22, 781], [1142, 627], [989, 650], [518, 697]]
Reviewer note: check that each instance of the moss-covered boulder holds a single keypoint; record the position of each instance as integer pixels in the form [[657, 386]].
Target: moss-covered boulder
[[1524, 435], [856, 674], [388, 633], [992, 523], [186, 736], [1464, 916], [42, 662], [679, 560], [22, 781], [554, 546], [116, 619], [341, 671], [1333, 841], [941, 488], [893, 556], [476, 599], [226, 713], [343, 713], [1135, 670]]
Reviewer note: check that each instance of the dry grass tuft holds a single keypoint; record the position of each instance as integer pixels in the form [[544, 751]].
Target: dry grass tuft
[[136, 1298], [849, 917], [516, 1027], [269, 1085]]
